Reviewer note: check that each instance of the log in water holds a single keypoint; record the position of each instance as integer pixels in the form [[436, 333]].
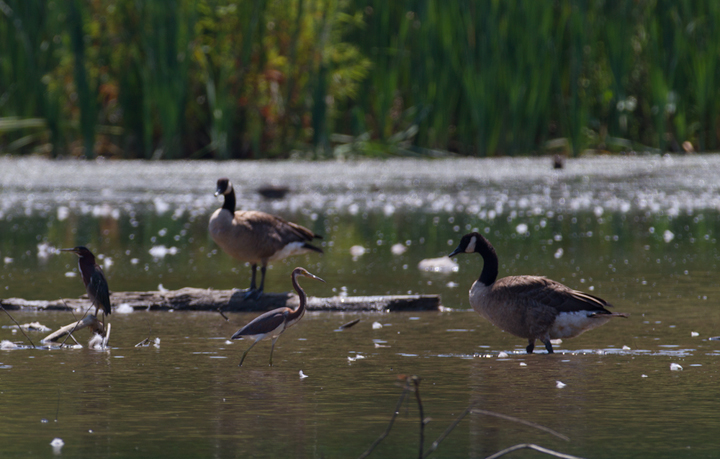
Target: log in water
[[197, 299]]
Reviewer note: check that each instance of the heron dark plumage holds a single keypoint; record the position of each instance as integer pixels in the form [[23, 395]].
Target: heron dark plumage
[[274, 323], [93, 278]]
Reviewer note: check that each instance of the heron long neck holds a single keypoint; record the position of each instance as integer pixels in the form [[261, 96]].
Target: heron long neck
[[490, 261], [229, 203], [303, 300]]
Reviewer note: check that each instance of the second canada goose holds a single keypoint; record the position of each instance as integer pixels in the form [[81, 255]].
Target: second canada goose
[[530, 307], [256, 237]]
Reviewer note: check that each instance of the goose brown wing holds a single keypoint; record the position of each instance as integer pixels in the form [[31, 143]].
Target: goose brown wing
[[552, 294], [274, 228], [264, 323]]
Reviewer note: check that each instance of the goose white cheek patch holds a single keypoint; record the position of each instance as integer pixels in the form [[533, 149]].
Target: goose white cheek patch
[[471, 246]]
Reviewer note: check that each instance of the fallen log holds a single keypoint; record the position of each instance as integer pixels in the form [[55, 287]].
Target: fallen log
[[197, 299]]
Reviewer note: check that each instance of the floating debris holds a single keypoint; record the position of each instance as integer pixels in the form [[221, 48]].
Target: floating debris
[[57, 443], [5, 345], [377, 325], [71, 274], [124, 308], [502, 355], [349, 324], [675, 367], [626, 348], [668, 236], [560, 384], [559, 253], [523, 364], [160, 251], [439, 265], [303, 375], [694, 334], [357, 251], [398, 249], [522, 228], [643, 376]]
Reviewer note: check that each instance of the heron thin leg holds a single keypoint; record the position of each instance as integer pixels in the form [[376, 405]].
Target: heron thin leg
[[272, 348], [530, 346], [248, 350], [548, 345]]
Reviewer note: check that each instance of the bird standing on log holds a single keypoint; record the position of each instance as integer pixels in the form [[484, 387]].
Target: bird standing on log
[[274, 323], [530, 307], [256, 237], [94, 280]]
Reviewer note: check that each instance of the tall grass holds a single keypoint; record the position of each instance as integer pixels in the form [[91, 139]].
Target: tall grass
[[263, 78]]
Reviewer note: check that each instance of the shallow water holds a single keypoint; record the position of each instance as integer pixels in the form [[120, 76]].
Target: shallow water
[[639, 232]]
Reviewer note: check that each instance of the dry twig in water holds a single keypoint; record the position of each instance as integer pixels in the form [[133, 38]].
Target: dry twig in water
[[16, 323], [406, 388], [533, 447]]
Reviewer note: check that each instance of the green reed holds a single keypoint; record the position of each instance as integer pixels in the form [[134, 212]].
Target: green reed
[[262, 78]]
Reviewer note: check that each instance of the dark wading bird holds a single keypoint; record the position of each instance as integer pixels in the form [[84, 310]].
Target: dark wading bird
[[256, 237], [530, 307], [94, 280], [273, 323]]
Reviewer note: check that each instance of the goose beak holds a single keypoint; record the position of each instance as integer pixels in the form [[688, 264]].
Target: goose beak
[[69, 250], [455, 252], [217, 193]]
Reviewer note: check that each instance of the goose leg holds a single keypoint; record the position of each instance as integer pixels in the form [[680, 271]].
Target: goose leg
[[248, 350], [262, 279], [530, 346], [272, 348], [252, 292], [548, 345]]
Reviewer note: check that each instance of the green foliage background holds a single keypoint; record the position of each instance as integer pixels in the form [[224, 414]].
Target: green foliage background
[[338, 78]]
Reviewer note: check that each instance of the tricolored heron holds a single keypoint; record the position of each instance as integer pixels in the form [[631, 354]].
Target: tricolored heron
[[256, 237], [530, 307], [94, 280], [274, 323]]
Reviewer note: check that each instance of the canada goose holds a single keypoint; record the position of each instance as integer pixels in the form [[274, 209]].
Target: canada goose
[[256, 237], [273, 323], [531, 307], [92, 276]]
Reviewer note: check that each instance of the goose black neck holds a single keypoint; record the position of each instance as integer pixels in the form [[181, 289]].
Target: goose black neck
[[301, 296], [490, 261], [229, 203]]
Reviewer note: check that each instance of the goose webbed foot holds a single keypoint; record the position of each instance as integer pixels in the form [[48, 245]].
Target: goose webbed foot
[[253, 294], [530, 346], [548, 346]]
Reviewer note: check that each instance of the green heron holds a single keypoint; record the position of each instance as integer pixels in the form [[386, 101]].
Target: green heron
[[274, 323], [94, 280], [530, 307], [256, 237]]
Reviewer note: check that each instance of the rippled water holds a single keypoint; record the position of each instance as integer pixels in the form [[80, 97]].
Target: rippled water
[[640, 232]]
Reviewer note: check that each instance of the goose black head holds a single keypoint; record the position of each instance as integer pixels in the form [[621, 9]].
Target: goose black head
[[468, 244], [224, 187]]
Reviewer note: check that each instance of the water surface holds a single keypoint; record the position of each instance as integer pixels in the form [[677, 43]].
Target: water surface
[[640, 232]]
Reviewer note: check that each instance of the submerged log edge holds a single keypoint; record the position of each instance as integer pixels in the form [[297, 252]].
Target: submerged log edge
[[197, 299]]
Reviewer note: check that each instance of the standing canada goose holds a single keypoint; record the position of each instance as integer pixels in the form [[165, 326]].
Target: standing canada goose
[[531, 307], [273, 323], [94, 280], [256, 237]]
